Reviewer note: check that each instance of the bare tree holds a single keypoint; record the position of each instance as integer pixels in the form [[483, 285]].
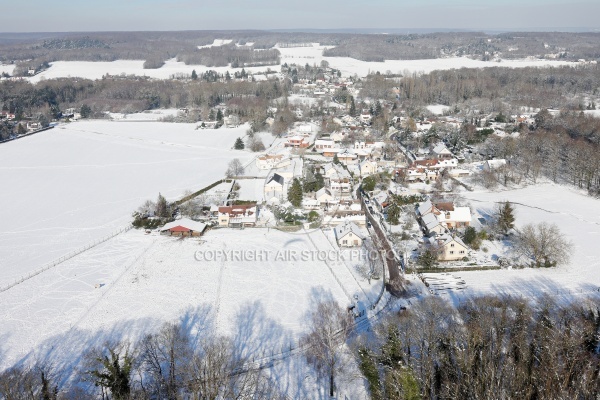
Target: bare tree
[[329, 327], [235, 168], [164, 358], [543, 244], [254, 143]]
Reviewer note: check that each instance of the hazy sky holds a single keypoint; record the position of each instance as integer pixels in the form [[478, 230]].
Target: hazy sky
[[107, 15]]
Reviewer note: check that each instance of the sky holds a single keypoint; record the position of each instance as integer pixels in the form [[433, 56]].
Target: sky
[[155, 15]]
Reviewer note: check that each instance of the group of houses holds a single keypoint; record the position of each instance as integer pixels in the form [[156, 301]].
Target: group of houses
[[439, 220]]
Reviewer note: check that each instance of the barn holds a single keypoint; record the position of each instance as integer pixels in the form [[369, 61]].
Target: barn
[[183, 227]]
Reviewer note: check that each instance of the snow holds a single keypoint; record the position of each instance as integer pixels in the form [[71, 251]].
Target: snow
[[216, 43], [576, 215], [8, 68], [437, 109], [251, 189], [72, 185], [298, 55], [147, 280], [148, 115], [95, 70]]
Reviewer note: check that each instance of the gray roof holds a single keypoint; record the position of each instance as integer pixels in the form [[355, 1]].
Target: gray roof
[[277, 178]]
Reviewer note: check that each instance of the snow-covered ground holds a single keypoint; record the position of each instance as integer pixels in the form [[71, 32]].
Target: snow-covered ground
[[216, 43], [576, 215], [437, 109], [8, 68], [149, 115], [298, 55], [259, 295], [95, 70], [74, 184]]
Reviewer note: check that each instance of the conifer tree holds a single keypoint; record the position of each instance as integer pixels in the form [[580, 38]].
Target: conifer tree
[[239, 144], [295, 193], [505, 217]]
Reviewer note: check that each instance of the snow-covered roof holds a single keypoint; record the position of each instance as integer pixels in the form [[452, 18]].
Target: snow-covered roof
[[185, 223], [345, 228], [430, 221], [425, 207], [323, 192], [441, 148]]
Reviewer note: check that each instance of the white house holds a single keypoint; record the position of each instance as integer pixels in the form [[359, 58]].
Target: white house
[[348, 235], [274, 185], [494, 164], [449, 248], [324, 196], [368, 167], [441, 151], [268, 161]]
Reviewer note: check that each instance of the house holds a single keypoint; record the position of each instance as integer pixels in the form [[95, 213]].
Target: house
[[494, 164], [297, 142], [347, 157], [449, 248], [348, 235], [274, 184], [440, 151], [268, 161], [368, 168], [183, 227], [238, 215], [324, 143], [446, 215], [432, 225], [325, 197]]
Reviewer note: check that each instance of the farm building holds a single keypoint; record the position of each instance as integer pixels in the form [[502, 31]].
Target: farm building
[[183, 227]]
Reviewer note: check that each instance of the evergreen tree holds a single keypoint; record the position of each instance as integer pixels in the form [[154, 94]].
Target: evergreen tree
[[295, 193], [239, 144], [219, 115], [21, 129], [114, 374], [505, 217], [162, 209], [85, 111], [393, 214], [336, 160], [352, 107], [194, 75], [227, 76]]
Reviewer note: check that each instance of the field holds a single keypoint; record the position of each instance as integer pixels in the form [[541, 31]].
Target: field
[[69, 186], [576, 215], [298, 55], [259, 295]]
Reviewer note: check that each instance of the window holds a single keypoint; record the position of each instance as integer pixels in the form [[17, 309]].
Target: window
[[451, 252], [462, 252], [451, 244]]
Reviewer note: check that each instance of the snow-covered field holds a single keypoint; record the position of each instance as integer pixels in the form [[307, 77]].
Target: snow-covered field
[[216, 43], [74, 184], [259, 296], [8, 68], [578, 218], [298, 55], [148, 115]]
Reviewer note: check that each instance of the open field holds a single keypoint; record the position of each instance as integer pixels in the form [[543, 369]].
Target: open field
[[298, 55], [259, 295], [69, 186]]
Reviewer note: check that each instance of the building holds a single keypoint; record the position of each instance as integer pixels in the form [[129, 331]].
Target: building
[[274, 184], [368, 168], [449, 248], [297, 142], [238, 216], [440, 151], [348, 235], [268, 161], [183, 227]]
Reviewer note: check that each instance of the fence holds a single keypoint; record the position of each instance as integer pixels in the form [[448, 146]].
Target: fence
[[65, 258]]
